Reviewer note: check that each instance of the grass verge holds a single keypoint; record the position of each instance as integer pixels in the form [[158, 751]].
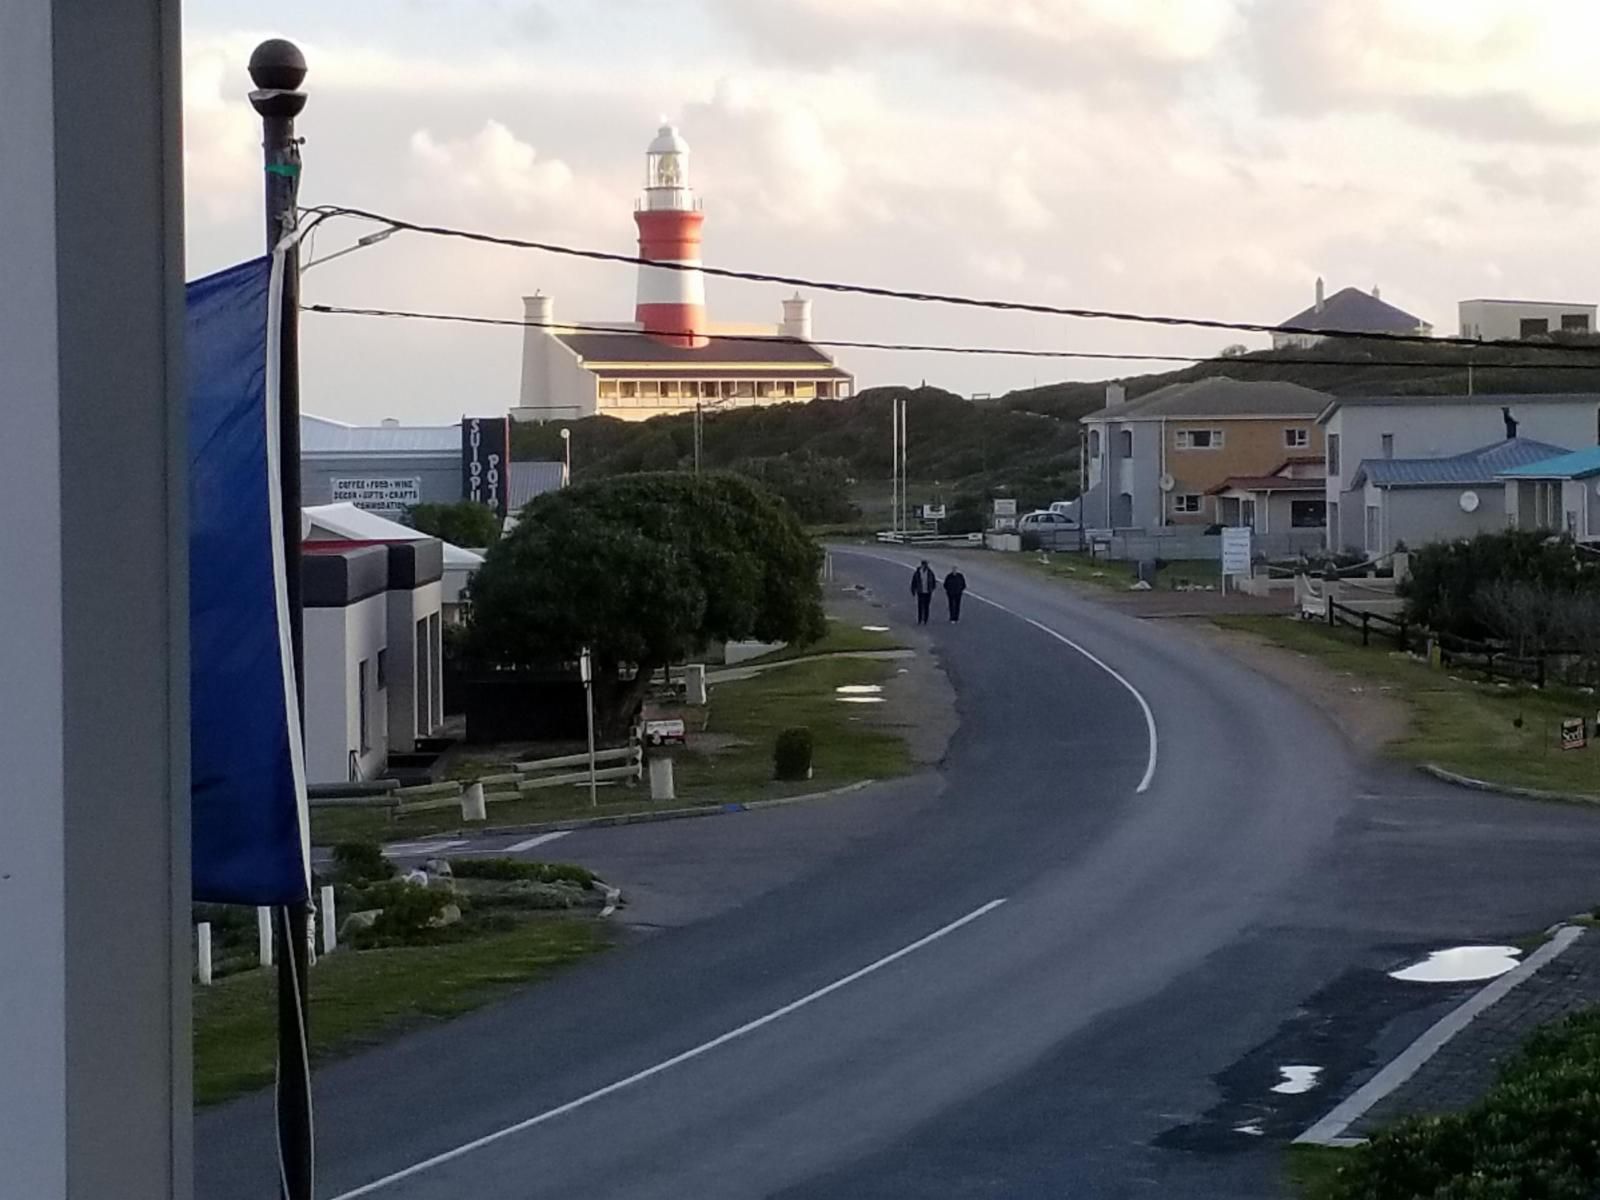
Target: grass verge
[[1313, 1171], [853, 742], [1505, 735], [1111, 573], [361, 996], [843, 637], [1536, 1133]]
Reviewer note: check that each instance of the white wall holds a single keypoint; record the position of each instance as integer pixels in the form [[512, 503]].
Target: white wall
[[337, 641], [1494, 320], [1419, 515], [405, 609], [555, 384]]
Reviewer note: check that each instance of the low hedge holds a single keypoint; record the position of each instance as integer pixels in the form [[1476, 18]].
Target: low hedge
[[508, 869], [1535, 1135]]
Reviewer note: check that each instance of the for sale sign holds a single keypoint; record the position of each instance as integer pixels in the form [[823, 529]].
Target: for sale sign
[[1572, 733]]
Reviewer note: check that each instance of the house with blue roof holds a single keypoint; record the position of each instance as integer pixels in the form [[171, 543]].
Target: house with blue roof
[[1561, 494], [1422, 500]]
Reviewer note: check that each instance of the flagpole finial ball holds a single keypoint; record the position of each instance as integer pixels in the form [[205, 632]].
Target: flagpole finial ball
[[277, 65]]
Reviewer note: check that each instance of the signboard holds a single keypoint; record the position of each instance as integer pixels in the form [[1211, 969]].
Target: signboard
[[1005, 508], [665, 732], [377, 493], [1236, 550], [485, 455], [933, 512], [1572, 733]]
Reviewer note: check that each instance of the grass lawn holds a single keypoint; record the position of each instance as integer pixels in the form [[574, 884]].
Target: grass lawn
[[842, 637], [1312, 1171], [1457, 721], [1104, 572], [360, 996], [747, 714]]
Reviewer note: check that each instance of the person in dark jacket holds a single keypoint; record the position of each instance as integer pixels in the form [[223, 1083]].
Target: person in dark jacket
[[923, 583], [954, 584]]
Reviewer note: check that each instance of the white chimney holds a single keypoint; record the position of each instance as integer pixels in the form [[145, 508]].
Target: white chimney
[[1116, 393], [1376, 295], [796, 318], [538, 309], [1318, 306]]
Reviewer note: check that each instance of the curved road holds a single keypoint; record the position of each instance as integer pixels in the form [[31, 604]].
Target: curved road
[[1137, 863]]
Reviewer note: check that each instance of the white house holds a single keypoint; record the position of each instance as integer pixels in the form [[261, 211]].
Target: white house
[[1349, 310], [1559, 494], [1361, 428], [1507, 320], [1420, 500], [345, 591]]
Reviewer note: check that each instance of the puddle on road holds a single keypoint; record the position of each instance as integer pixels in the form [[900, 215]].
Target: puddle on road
[[1252, 1129], [876, 628], [1460, 964], [1296, 1079], [859, 699], [859, 689]]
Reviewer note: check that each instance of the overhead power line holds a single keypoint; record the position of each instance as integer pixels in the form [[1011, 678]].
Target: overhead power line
[[939, 347], [324, 212]]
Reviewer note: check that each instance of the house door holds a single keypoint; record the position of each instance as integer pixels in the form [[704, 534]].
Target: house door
[[1374, 516]]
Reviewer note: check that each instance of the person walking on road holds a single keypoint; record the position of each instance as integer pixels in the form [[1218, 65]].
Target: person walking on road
[[923, 583], [954, 584]]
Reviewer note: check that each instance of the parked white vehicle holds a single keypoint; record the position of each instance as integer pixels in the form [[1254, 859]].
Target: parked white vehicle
[[1054, 530]]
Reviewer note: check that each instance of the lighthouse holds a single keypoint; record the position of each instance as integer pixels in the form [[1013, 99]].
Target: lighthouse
[[668, 215]]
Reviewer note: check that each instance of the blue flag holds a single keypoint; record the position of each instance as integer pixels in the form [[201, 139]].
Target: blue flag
[[247, 775]]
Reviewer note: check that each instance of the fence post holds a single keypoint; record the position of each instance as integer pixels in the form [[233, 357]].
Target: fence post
[[1366, 629], [264, 935], [330, 921], [1405, 643], [1330, 604], [202, 952], [1539, 667]]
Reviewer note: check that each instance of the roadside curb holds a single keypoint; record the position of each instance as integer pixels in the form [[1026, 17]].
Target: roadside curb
[[644, 818], [1331, 1129], [1505, 789]]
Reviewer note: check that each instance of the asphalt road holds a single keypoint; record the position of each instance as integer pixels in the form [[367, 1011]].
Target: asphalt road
[[1023, 977]]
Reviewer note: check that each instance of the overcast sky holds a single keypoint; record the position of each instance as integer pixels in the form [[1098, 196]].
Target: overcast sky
[[1186, 156]]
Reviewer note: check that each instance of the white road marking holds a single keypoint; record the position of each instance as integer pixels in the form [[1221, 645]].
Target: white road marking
[[1149, 717], [413, 849], [612, 896], [677, 1060], [530, 843]]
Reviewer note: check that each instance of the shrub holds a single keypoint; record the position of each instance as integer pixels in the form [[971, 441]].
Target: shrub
[[408, 912], [361, 862], [1450, 580], [791, 754], [516, 869]]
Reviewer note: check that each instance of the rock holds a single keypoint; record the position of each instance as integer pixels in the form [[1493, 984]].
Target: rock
[[448, 915], [416, 877], [437, 867], [358, 921]]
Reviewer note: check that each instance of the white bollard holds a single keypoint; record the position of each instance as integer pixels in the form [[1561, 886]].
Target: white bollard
[[330, 921], [202, 952], [264, 935], [694, 684], [473, 806], [661, 778]]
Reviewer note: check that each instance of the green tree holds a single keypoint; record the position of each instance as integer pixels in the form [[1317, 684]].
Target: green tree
[[644, 569], [816, 487], [464, 523], [1455, 587]]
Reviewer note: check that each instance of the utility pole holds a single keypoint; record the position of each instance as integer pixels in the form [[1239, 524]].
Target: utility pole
[[697, 437], [905, 463], [894, 465], [277, 68], [586, 670], [566, 456]]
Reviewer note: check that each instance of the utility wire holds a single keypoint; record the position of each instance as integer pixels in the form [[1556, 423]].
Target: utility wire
[[939, 348], [325, 211]]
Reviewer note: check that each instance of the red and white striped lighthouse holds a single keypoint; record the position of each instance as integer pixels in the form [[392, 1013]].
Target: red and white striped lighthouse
[[669, 220]]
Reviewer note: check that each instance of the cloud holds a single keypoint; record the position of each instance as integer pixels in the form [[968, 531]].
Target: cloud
[[1558, 183], [492, 167]]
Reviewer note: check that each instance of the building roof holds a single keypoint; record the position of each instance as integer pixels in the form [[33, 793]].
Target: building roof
[[1350, 310], [346, 522], [530, 479], [607, 346], [1577, 465], [321, 436], [1480, 466], [1540, 303], [1494, 399], [1267, 483], [1219, 396], [713, 371]]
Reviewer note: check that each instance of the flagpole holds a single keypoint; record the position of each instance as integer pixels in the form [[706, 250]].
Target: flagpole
[[277, 68]]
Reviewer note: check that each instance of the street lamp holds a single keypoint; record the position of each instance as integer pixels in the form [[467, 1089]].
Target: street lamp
[[566, 451], [371, 239]]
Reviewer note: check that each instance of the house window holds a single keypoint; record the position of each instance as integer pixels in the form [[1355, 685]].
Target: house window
[[1187, 503], [1308, 514], [824, 389], [744, 390], [1247, 513], [650, 388], [1534, 327], [1388, 445], [364, 738], [844, 390], [1094, 443], [1333, 453], [608, 389], [628, 389], [1574, 322], [383, 669], [1296, 439], [1125, 439], [804, 389], [422, 683], [1199, 439]]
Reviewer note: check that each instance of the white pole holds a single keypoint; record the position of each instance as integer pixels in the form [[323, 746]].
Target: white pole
[[202, 952], [894, 465], [905, 461], [264, 935], [330, 921], [587, 671]]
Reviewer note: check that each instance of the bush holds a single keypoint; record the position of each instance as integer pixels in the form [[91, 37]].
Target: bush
[[409, 912], [791, 754], [515, 869], [356, 863], [1450, 580], [1537, 1133]]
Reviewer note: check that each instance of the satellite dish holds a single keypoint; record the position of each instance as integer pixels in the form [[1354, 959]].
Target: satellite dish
[[1166, 483], [1469, 501]]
